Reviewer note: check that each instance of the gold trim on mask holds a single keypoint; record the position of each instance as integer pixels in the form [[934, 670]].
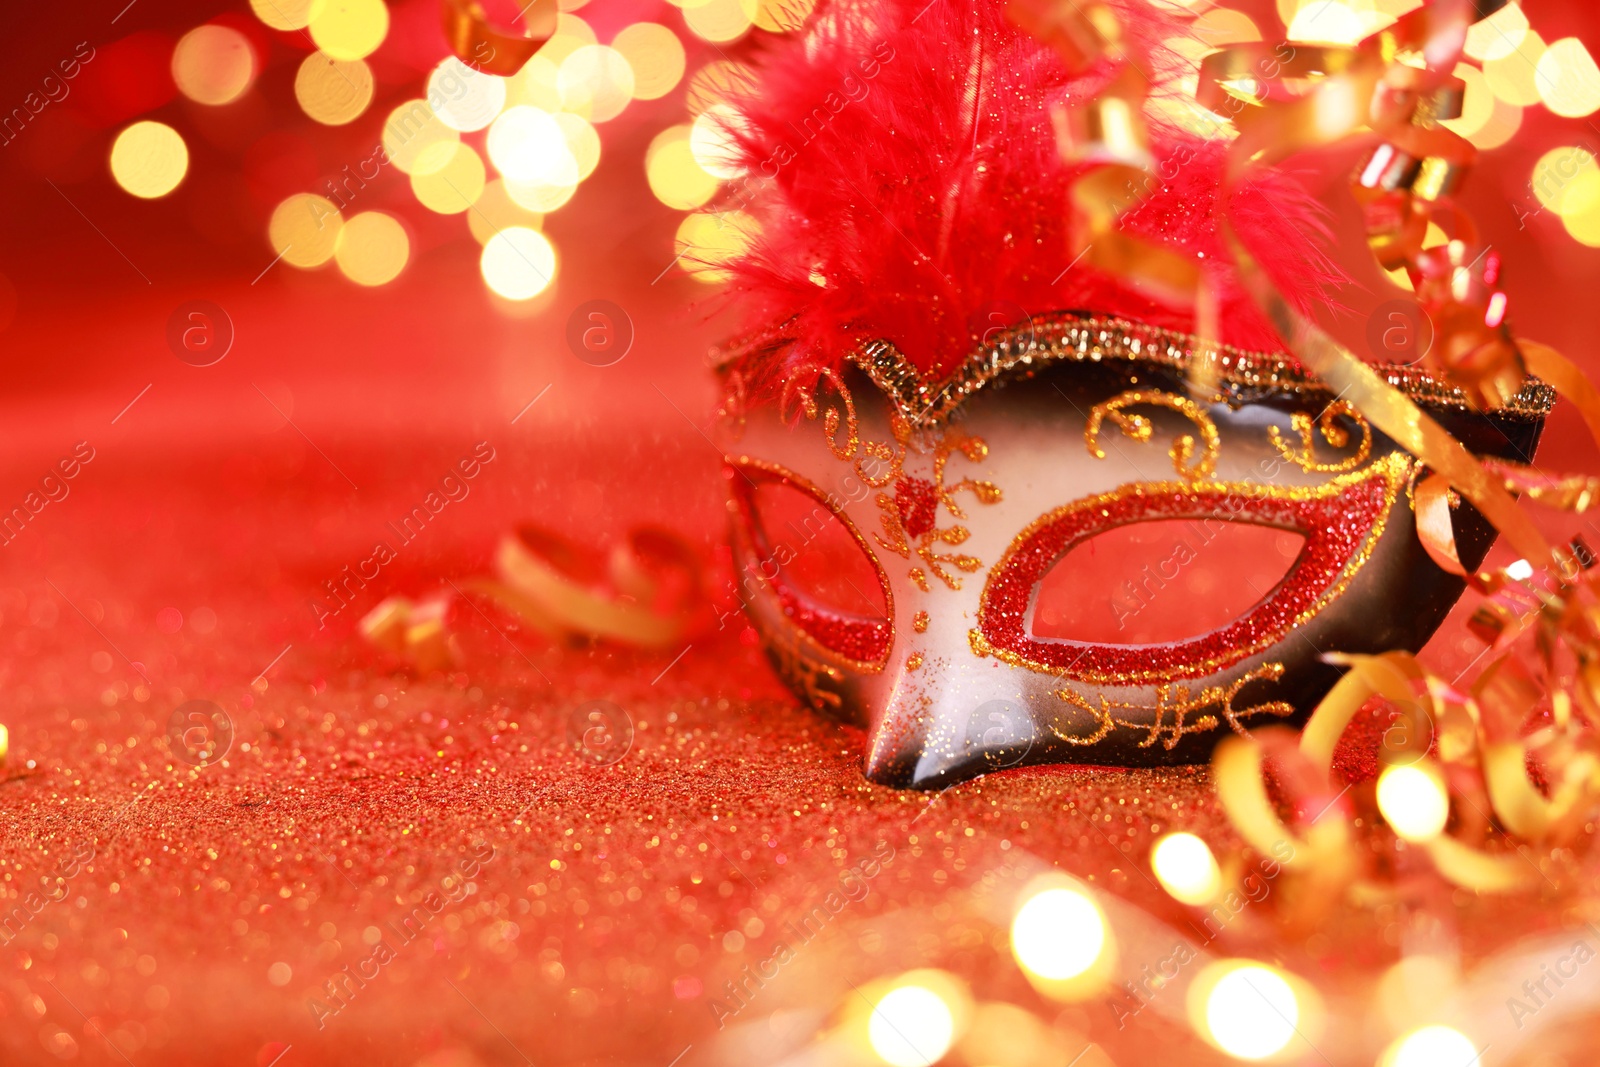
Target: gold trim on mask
[[1067, 337]]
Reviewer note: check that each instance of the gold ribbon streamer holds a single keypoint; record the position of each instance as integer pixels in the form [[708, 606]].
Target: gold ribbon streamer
[[492, 49]]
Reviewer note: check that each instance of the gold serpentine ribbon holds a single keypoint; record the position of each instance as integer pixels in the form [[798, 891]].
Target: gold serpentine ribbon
[[646, 591], [490, 48]]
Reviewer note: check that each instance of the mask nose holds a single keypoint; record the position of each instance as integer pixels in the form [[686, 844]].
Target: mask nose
[[945, 724]]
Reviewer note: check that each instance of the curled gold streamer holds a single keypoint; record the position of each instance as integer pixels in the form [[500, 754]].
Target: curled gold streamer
[[492, 49]]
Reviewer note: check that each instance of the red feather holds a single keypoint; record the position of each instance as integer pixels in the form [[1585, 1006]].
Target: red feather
[[902, 166]]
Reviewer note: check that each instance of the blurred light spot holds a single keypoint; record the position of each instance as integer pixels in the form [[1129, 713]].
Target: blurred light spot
[[213, 65], [283, 14], [1497, 36], [348, 29], [305, 229], [1251, 1012], [706, 239], [720, 21], [535, 85], [1327, 22], [596, 82], [711, 141], [496, 211], [450, 185], [572, 33], [1413, 801], [1513, 78], [540, 196], [5, 744], [333, 91], [1186, 868], [279, 974], [1058, 934], [911, 1026], [1568, 80], [1223, 25], [676, 179], [1583, 223], [1519, 570], [1563, 179], [714, 83], [528, 145], [1477, 102], [1431, 1046], [583, 141], [410, 128], [372, 248], [149, 159], [1501, 127], [782, 16], [518, 263], [463, 98], [1413, 988], [656, 56]]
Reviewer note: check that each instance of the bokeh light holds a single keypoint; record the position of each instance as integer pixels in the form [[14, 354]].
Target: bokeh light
[[409, 130], [535, 85], [911, 1026], [782, 16], [348, 29], [1058, 934], [496, 211], [706, 239], [1413, 988], [540, 196], [1565, 179], [518, 263], [283, 14], [149, 159], [1477, 102], [1503, 125], [1186, 868], [656, 57], [720, 21], [528, 145], [463, 98], [1568, 80], [711, 141], [1413, 800], [1224, 25], [213, 65], [372, 248], [583, 141], [304, 230], [333, 91], [1497, 36], [572, 33], [1514, 78], [675, 178], [1583, 222], [1328, 22], [1431, 1046], [449, 185], [595, 81], [714, 83], [1251, 1012]]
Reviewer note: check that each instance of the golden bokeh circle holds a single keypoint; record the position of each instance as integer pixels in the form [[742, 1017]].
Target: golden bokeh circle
[[348, 29], [283, 14], [213, 65], [409, 130], [675, 178], [496, 211], [656, 56], [372, 248], [333, 91], [450, 184], [304, 230], [149, 159]]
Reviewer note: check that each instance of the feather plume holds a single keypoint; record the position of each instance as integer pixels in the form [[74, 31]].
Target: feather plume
[[902, 167]]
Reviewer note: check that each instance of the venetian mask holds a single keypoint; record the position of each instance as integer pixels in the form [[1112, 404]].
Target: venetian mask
[[1091, 544]]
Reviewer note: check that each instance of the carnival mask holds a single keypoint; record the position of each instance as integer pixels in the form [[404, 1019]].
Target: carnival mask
[[1071, 553]]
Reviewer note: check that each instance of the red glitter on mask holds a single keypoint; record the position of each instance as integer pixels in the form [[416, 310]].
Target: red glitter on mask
[[1337, 528], [917, 501]]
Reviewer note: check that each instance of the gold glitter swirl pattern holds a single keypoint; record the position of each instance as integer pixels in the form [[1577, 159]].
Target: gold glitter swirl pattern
[[1140, 428], [1332, 432], [1168, 719]]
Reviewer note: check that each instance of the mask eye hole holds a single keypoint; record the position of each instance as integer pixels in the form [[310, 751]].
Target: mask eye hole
[[797, 543], [1149, 583]]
